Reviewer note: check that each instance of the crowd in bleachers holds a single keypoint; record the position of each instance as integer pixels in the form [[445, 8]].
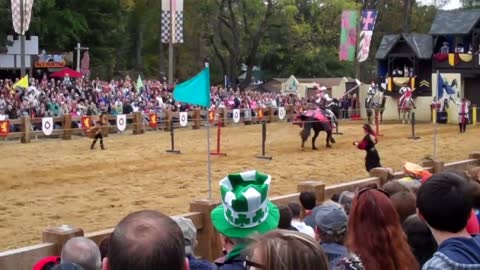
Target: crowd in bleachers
[[423, 221], [78, 97]]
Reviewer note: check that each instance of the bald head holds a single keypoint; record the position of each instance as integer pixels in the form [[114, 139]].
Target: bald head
[[147, 240], [82, 251]]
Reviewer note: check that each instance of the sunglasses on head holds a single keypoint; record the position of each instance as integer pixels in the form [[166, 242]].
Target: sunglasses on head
[[362, 190]]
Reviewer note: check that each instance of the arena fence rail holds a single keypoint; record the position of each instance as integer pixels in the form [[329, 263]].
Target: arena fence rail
[[209, 245]]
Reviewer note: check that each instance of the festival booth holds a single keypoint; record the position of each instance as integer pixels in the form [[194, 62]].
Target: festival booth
[[305, 87]]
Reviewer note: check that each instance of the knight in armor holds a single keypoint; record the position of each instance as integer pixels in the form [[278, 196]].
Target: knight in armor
[[372, 91], [323, 101], [406, 93]]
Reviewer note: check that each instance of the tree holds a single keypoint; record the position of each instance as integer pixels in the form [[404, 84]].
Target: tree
[[471, 3]]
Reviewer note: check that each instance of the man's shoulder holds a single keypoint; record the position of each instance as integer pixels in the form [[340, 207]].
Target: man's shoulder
[[440, 261]]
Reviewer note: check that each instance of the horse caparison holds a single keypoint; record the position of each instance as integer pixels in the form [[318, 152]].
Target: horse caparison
[[374, 105], [310, 123]]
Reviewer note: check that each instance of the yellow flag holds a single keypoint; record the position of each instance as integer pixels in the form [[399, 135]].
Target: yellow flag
[[412, 83], [22, 83], [389, 84]]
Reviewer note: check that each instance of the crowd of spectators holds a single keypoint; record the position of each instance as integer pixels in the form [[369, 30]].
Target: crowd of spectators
[[427, 222], [78, 97]]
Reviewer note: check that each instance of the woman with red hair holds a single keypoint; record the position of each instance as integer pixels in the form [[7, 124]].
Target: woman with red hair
[[375, 238], [372, 159]]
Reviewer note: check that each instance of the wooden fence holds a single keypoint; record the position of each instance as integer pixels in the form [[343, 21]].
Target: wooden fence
[[136, 123], [209, 245]]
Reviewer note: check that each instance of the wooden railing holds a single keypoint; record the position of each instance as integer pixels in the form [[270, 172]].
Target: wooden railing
[[209, 245], [136, 123]]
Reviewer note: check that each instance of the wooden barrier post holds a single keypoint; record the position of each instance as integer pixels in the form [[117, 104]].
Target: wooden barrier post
[[381, 173], [271, 115], [138, 123], [474, 155], [224, 116], [438, 166], [26, 129], [168, 120], [67, 127], [210, 246], [60, 235], [196, 119], [290, 111], [316, 187]]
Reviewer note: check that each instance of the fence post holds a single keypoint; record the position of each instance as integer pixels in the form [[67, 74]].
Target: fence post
[[196, 118], [26, 129], [271, 114], [209, 245], [474, 155], [138, 123], [67, 127], [60, 235], [316, 187], [438, 166], [381, 173], [224, 116], [168, 119], [290, 111]]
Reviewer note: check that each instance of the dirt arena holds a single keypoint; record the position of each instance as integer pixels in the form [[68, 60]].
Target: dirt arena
[[53, 182]]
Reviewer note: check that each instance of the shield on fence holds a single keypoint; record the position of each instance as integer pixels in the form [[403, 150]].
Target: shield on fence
[[236, 115], [47, 125], [86, 122], [211, 116], [183, 118], [4, 128], [121, 122], [152, 120], [281, 113], [260, 114], [248, 115]]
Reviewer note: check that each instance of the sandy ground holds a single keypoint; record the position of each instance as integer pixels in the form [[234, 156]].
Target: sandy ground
[[53, 182]]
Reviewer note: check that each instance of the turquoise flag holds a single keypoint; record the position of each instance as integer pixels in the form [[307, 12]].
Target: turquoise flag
[[139, 84], [195, 91]]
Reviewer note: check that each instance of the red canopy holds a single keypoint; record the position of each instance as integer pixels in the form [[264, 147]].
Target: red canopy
[[62, 73]]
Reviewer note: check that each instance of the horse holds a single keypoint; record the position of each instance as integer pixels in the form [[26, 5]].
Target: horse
[[374, 105], [318, 121], [405, 108]]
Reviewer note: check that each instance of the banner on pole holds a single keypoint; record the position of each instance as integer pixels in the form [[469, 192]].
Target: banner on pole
[[369, 17], [183, 118], [47, 125], [86, 122], [348, 35], [152, 120], [236, 116], [177, 29], [18, 25], [4, 128]]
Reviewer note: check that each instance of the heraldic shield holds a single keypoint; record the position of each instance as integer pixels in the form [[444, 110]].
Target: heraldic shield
[[236, 115], [281, 113], [183, 118], [47, 125], [121, 122]]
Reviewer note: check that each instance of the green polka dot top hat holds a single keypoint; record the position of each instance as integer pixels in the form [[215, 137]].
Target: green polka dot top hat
[[245, 207]]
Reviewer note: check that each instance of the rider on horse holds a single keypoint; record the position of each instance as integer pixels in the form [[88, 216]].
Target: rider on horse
[[407, 95], [372, 91], [323, 101]]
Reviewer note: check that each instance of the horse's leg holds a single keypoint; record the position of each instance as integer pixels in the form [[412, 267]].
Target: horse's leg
[[315, 135], [329, 138], [305, 133]]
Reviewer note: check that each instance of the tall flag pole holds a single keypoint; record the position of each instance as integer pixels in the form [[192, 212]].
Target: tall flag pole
[[435, 128], [21, 15], [348, 35], [369, 17], [172, 29]]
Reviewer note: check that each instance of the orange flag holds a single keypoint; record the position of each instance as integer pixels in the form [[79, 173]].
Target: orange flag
[[260, 114], [86, 122]]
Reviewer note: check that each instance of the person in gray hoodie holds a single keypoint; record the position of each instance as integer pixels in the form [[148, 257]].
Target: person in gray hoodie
[[445, 203]]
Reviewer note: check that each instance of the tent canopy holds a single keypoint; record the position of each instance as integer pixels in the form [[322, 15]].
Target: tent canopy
[[62, 73]]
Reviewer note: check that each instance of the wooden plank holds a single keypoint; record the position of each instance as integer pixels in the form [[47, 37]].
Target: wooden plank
[[351, 186], [462, 165], [24, 258], [285, 199]]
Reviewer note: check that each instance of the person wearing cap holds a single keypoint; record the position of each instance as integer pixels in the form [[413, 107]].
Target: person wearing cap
[[244, 210], [331, 228], [372, 159], [416, 173], [190, 235]]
